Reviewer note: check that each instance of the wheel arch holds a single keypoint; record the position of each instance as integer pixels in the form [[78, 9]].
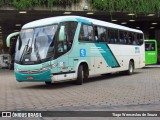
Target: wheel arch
[[132, 60], [83, 62]]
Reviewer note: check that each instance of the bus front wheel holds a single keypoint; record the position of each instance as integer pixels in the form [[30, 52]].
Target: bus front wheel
[[80, 75], [130, 68]]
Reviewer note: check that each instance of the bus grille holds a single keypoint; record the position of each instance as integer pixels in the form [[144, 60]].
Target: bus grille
[[30, 72]]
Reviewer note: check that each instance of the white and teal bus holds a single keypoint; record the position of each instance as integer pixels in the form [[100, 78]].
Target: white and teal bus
[[65, 48]]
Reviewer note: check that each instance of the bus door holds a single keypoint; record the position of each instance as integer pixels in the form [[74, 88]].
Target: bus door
[[63, 69]]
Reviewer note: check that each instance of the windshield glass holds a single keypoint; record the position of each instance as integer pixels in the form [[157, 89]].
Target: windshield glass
[[35, 45]]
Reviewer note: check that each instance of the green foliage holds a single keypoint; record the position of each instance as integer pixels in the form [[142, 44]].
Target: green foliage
[[23, 4], [1, 3], [134, 6], [51, 3], [38, 2]]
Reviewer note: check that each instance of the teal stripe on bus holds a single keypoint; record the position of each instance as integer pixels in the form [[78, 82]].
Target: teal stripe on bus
[[108, 55]]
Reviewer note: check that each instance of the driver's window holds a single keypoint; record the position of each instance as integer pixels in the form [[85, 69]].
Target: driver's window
[[65, 36]]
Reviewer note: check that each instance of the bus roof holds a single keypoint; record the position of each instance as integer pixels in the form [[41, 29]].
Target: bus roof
[[52, 20]]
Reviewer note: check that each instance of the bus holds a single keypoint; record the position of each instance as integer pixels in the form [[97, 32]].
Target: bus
[[74, 48], [151, 52]]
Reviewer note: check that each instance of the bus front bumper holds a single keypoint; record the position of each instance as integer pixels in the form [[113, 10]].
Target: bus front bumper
[[39, 77]]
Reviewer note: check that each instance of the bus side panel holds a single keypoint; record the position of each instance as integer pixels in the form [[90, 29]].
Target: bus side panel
[[124, 53]]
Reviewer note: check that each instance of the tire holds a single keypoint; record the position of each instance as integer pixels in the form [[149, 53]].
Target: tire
[[80, 75], [48, 83], [130, 68]]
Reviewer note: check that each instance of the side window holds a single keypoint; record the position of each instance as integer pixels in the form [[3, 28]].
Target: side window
[[121, 37], [116, 37], [134, 39], [125, 34], [150, 46], [66, 35], [101, 34], [113, 36], [86, 33], [139, 39], [130, 38]]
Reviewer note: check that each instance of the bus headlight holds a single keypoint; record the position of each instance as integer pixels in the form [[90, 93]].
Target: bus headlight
[[54, 65], [49, 67], [45, 68]]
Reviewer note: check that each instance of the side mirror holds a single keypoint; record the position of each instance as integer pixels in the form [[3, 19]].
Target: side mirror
[[8, 40], [62, 33]]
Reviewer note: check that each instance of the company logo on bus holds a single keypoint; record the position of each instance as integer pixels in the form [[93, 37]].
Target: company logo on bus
[[82, 52]]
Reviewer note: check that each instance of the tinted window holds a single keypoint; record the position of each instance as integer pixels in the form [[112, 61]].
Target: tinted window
[[113, 36], [86, 33], [101, 34], [130, 38], [139, 39], [134, 42], [65, 37], [123, 37]]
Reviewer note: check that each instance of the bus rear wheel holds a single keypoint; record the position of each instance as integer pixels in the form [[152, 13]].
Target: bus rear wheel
[[130, 68]]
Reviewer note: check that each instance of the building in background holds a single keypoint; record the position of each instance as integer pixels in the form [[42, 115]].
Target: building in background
[[140, 14]]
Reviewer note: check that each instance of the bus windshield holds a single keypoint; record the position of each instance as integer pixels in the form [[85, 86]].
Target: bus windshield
[[35, 45]]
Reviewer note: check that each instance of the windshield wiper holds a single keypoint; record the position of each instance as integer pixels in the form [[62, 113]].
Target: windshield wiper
[[36, 50], [29, 50], [25, 49]]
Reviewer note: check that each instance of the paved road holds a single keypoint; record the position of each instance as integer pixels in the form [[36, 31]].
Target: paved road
[[140, 91], [119, 91]]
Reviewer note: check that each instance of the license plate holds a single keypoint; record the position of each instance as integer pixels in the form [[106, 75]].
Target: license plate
[[30, 78]]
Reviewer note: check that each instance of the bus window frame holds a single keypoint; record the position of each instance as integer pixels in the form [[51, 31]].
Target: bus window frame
[[108, 30], [106, 36], [84, 41], [56, 53]]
